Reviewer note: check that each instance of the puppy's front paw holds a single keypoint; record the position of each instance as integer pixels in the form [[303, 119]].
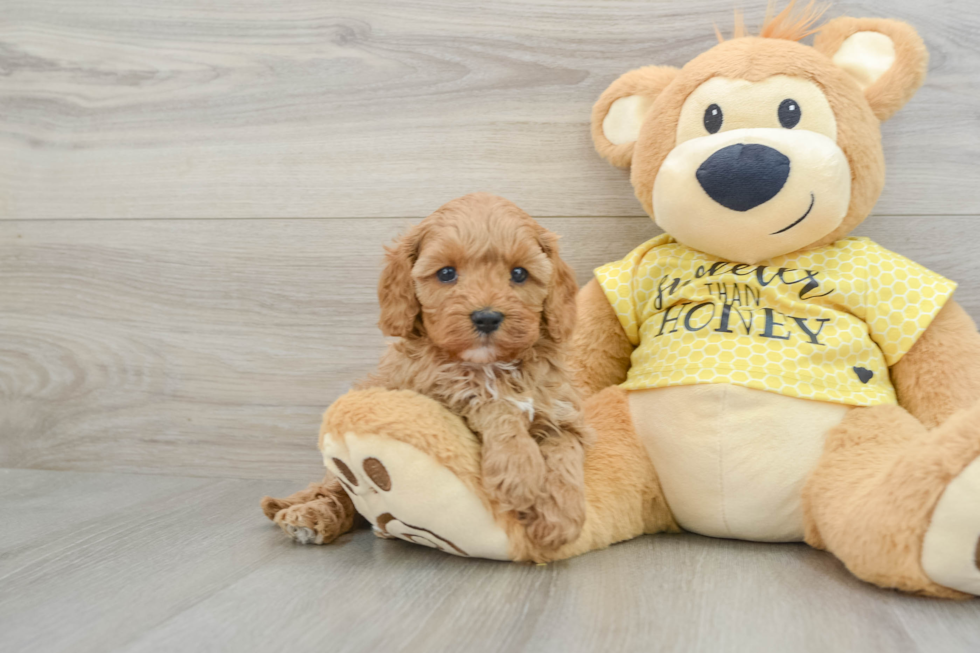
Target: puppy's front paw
[[556, 518], [513, 474]]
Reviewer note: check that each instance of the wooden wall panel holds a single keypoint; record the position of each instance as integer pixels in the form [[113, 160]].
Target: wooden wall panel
[[315, 108], [210, 347]]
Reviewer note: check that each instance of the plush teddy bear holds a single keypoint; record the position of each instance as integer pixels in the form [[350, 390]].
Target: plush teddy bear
[[753, 373], [788, 381]]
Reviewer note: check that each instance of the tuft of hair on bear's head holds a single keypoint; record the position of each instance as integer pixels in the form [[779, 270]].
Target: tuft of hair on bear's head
[[790, 24]]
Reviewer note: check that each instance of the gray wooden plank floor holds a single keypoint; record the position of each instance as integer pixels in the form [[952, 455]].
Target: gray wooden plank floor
[[112, 562]]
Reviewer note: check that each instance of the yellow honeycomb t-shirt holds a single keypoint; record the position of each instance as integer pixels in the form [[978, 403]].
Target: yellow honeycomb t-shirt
[[822, 324]]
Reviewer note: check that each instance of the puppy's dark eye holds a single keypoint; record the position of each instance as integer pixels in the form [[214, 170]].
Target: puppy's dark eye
[[446, 275], [518, 275], [789, 113], [713, 119]]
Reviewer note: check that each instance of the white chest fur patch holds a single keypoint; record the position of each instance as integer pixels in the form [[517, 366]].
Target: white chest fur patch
[[732, 461], [525, 405]]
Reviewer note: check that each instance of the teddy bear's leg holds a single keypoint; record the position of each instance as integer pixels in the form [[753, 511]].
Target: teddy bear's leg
[[412, 469], [622, 492], [900, 504]]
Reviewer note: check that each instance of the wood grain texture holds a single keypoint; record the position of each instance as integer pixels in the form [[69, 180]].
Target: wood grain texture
[[110, 557], [219, 108], [141, 564], [193, 346], [211, 347]]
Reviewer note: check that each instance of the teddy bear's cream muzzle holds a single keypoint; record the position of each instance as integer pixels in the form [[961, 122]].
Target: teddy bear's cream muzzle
[[748, 195]]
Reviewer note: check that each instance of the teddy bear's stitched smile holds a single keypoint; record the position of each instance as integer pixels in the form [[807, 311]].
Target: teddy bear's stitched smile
[[801, 219]]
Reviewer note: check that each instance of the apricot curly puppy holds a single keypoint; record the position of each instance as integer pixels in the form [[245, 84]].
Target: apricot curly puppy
[[483, 307]]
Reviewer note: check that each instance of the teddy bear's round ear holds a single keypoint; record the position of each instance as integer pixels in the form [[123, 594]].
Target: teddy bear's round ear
[[887, 59], [621, 109]]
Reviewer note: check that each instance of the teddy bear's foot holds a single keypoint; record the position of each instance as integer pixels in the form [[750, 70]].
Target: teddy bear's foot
[[378, 444], [899, 504], [951, 548], [406, 494]]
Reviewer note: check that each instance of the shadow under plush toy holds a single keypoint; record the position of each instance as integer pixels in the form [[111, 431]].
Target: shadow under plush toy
[[754, 373]]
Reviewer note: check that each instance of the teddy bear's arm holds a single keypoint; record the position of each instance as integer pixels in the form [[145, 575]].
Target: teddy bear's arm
[[940, 374], [601, 351]]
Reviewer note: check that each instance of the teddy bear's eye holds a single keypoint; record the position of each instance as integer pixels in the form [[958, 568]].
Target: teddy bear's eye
[[446, 275], [713, 119], [789, 113]]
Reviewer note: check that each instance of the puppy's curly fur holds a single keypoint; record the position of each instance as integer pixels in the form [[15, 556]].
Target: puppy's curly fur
[[511, 384]]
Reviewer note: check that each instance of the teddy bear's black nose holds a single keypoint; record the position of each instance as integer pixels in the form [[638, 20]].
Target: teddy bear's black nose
[[741, 177]]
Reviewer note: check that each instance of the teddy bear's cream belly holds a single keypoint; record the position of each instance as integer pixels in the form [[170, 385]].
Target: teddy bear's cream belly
[[731, 460]]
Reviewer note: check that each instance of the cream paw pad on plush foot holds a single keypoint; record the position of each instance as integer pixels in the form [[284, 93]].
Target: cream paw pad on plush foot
[[407, 494], [951, 548]]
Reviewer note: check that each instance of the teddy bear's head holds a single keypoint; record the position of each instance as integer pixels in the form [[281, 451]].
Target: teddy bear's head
[[763, 146]]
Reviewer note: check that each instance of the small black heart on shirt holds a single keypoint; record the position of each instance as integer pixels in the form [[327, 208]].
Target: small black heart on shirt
[[863, 374]]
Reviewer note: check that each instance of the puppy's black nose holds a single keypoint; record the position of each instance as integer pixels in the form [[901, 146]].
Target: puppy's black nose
[[741, 177], [486, 321]]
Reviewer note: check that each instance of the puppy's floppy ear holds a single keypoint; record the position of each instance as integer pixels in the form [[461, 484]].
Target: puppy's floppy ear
[[887, 58], [559, 305], [396, 288], [621, 109]]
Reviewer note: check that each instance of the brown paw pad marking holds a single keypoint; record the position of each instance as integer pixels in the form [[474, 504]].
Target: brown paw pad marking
[[377, 473], [423, 536], [345, 471]]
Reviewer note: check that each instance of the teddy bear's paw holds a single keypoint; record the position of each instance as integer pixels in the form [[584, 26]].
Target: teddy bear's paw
[[382, 534], [405, 493], [951, 548]]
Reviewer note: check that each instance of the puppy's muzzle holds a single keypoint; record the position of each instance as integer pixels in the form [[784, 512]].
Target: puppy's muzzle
[[487, 321]]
